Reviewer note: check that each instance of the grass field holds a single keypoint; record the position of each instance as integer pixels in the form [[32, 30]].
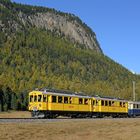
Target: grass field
[[15, 114], [117, 129]]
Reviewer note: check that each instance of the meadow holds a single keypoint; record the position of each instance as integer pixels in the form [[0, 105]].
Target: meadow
[[93, 129]]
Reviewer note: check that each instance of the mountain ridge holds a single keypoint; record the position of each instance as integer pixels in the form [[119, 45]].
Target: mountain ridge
[[64, 24]]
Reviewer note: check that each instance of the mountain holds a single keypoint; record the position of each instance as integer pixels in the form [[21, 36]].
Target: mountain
[[16, 17], [42, 47]]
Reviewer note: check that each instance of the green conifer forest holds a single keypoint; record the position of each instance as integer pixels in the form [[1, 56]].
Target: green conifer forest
[[34, 58]]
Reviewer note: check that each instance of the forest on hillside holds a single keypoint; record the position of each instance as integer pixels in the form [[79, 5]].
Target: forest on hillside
[[36, 58], [9, 100]]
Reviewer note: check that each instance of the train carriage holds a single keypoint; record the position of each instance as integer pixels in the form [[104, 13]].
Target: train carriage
[[133, 109], [53, 103], [109, 107]]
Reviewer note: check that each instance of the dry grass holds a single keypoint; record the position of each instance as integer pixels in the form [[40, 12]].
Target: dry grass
[[124, 129], [15, 114]]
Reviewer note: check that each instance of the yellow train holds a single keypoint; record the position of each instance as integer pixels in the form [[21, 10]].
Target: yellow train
[[46, 103]]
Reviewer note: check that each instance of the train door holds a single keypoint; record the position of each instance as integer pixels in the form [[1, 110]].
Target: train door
[[93, 106], [130, 109], [45, 102], [90, 105]]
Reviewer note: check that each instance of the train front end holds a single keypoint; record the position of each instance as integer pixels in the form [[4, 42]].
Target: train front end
[[37, 104]]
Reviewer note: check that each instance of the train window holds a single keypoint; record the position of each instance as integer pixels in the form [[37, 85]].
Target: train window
[[102, 102], [80, 100], [31, 98], [44, 98], [54, 99], [96, 102], [65, 100], [35, 98], [71, 100], [123, 104], [39, 98], [86, 101], [106, 103], [137, 106], [120, 104], [60, 99], [109, 103], [112, 103]]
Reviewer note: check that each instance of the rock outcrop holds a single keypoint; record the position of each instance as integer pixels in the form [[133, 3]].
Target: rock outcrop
[[64, 24]]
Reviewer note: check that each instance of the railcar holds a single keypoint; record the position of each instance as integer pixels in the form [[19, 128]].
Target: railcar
[[46, 103], [52, 103], [105, 106], [133, 109]]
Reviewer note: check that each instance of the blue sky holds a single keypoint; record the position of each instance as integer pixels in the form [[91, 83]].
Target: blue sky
[[115, 22]]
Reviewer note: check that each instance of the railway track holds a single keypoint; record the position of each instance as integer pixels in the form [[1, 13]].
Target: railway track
[[35, 120], [22, 120]]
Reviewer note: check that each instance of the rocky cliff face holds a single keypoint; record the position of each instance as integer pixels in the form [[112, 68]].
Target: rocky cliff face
[[63, 24]]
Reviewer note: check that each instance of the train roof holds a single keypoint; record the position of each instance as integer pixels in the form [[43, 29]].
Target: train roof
[[76, 94], [63, 93], [109, 98], [134, 102]]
